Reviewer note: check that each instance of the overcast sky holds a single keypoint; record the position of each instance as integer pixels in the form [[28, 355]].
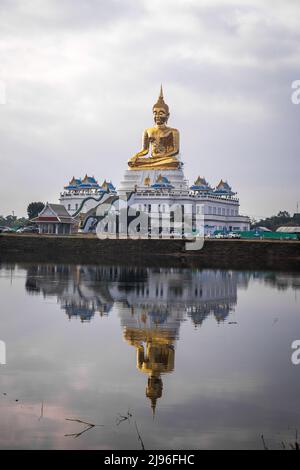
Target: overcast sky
[[81, 78]]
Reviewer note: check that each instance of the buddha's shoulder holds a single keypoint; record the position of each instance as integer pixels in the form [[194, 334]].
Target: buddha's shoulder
[[150, 130], [173, 129], [154, 130]]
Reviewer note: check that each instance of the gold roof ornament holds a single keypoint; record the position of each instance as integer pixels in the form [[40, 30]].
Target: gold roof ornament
[[200, 181], [104, 185], [223, 184], [160, 103], [147, 181]]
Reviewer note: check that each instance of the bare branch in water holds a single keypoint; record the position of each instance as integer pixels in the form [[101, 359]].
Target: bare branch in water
[[88, 427], [262, 438], [42, 411], [120, 418], [139, 436], [296, 446]]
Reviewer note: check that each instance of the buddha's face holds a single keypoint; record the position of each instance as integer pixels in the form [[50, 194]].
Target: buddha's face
[[160, 116]]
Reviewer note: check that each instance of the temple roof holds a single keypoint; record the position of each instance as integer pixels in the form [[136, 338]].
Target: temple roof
[[224, 188], [162, 182], [108, 186], [75, 181], [223, 185], [89, 182], [54, 213], [201, 185], [59, 210]]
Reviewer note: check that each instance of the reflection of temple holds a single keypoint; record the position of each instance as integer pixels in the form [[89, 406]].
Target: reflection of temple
[[151, 303], [77, 289], [151, 313], [282, 281], [155, 356]]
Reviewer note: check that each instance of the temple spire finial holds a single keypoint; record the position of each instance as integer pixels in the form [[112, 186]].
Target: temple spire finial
[[153, 407], [161, 94]]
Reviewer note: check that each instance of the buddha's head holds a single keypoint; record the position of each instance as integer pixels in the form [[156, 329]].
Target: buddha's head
[[160, 110], [160, 116]]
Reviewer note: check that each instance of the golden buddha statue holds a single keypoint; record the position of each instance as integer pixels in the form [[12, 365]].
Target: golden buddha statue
[[164, 142]]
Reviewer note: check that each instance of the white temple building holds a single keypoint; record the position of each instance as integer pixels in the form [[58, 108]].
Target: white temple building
[[154, 185], [80, 195]]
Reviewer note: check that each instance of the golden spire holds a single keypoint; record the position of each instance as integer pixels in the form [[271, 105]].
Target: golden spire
[[153, 407], [161, 95], [161, 102], [154, 390]]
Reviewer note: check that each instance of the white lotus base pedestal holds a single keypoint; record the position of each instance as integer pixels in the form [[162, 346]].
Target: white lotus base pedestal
[[136, 180]]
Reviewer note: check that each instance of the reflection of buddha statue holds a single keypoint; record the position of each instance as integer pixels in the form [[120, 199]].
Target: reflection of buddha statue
[[154, 359], [164, 142]]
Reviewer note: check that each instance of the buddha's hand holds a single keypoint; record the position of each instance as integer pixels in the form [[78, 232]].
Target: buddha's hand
[[134, 158]]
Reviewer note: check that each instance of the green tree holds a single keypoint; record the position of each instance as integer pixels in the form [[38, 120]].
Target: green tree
[[34, 209], [275, 221], [10, 220]]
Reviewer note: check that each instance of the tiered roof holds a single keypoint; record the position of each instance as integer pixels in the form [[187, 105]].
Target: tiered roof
[[89, 182], [54, 213], [108, 186], [162, 182], [74, 183], [223, 188], [201, 185]]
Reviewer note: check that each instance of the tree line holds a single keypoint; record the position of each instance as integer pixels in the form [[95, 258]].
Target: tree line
[[276, 221], [11, 221]]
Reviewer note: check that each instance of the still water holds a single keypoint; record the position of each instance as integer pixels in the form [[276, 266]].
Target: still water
[[183, 358]]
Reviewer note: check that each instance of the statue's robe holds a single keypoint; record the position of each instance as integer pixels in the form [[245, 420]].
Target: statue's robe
[[160, 159]]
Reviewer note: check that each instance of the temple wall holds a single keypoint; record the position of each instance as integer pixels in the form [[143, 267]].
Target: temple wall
[[227, 254]]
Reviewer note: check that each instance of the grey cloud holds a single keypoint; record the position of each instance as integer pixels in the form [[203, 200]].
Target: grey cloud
[[64, 15], [80, 73]]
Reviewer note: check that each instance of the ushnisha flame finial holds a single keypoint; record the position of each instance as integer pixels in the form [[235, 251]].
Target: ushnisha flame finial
[[161, 102]]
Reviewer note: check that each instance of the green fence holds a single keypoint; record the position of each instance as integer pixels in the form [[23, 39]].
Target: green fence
[[259, 234]]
